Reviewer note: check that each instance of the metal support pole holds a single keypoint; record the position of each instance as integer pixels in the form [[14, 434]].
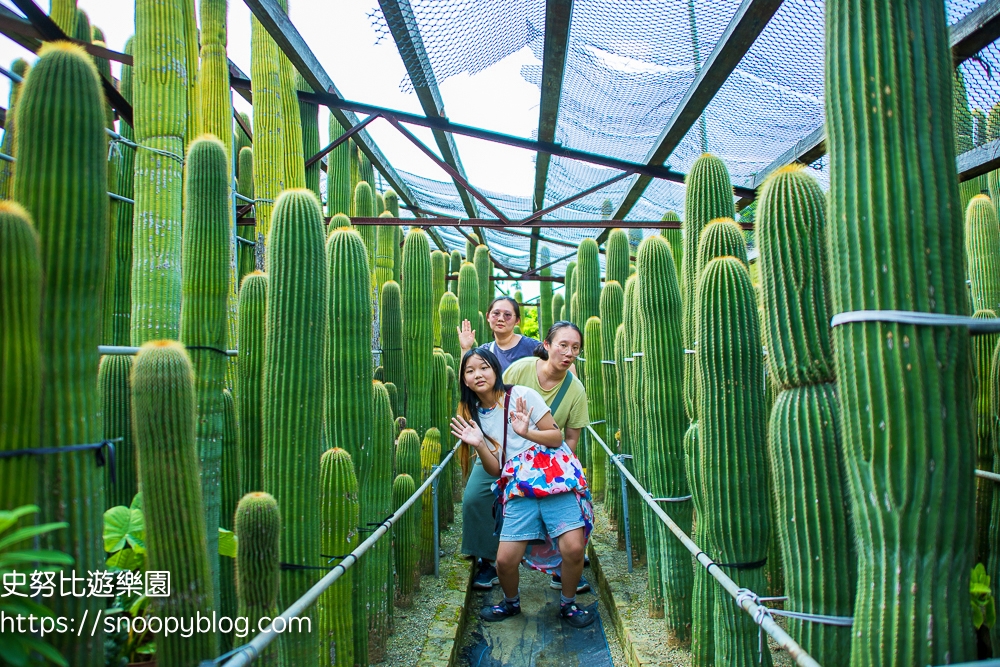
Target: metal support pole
[[437, 538], [624, 484]]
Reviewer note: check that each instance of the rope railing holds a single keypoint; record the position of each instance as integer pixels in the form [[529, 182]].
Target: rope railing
[[249, 652], [746, 600]]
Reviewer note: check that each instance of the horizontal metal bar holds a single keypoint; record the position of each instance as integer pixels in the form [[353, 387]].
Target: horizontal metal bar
[[985, 474], [560, 224], [120, 198], [127, 350], [341, 139], [242, 198]]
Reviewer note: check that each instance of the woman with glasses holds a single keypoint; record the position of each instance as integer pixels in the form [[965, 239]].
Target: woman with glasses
[[502, 316]]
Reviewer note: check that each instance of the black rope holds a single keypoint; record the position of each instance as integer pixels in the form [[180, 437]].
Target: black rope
[[293, 566], [333, 558], [206, 347], [97, 446], [745, 566]]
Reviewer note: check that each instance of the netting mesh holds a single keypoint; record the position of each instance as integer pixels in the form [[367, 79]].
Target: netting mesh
[[628, 67]]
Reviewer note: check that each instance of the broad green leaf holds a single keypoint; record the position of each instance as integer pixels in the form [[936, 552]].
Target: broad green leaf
[[976, 588], [149, 648], [45, 650], [139, 606], [227, 543], [9, 517], [26, 533], [45, 556], [977, 615], [136, 502], [127, 559], [123, 526]]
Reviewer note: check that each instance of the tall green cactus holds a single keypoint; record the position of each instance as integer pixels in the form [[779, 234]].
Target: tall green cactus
[[349, 370], [204, 327], [623, 362], [292, 392], [597, 470], [612, 298], [118, 289], [213, 77], [618, 251], [588, 281], [397, 256], [391, 334], [258, 531], [720, 238], [544, 294], [391, 201], [438, 263], [164, 413], [454, 268], [468, 296], [240, 138], [670, 575], [269, 178], [915, 545], [385, 254], [113, 378], [309, 121], [631, 411], [732, 437], [484, 269], [393, 398], [807, 471], [61, 112], [230, 498], [993, 558], [191, 39], [295, 172], [470, 250], [364, 207], [570, 290], [418, 311], [245, 249], [407, 461], [430, 455], [448, 314], [406, 539], [20, 350], [375, 484], [982, 250], [339, 194], [709, 195], [703, 590], [558, 304], [64, 14], [340, 518], [20, 68], [982, 348], [160, 81], [441, 419], [675, 239], [251, 326]]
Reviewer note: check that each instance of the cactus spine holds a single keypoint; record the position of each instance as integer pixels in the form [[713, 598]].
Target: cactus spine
[[230, 499], [418, 309], [456, 266], [391, 324], [61, 113], [252, 318], [339, 520], [612, 298], [116, 411], [663, 362], [809, 482], [484, 269], [376, 504], [916, 546], [731, 432], [618, 251], [430, 454], [20, 352], [163, 404], [258, 530], [406, 539], [448, 314], [439, 261], [204, 317], [292, 391], [468, 296], [339, 195]]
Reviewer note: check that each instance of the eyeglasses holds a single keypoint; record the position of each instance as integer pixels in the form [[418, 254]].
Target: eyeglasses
[[501, 315]]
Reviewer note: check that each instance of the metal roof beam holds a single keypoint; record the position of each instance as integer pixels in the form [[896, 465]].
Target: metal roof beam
[[967, 37], [490, 223], [749, 21]]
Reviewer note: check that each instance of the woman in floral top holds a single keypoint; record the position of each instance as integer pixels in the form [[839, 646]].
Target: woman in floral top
[[541, 481]]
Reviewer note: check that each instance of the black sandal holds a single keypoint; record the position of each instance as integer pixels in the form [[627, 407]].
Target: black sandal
[[577, 617], [499, 612]]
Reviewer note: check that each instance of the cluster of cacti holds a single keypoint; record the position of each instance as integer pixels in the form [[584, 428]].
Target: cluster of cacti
[[418, 312], [164, 413], [258, 526], [659, 297], [161, 80], [229, 499], [375, 484], [391, 336], [204, 325], [430, 455], [249, 369], [811, 516], [292, 391], [406, 539], [62, 113], [20, 349], [889, 374]]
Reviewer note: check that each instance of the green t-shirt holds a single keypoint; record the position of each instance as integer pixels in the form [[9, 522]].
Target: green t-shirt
[[572, 412]]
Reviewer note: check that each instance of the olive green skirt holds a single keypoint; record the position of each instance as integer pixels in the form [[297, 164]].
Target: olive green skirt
[[477, 515]]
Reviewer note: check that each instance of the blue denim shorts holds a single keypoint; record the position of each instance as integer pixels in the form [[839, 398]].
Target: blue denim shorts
[[528, 519]]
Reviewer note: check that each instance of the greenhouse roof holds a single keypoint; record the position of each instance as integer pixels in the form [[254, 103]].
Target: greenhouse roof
[[638, 90]]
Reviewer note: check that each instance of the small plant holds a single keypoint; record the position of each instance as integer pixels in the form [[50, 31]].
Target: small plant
[[15, 558], [983, 607]]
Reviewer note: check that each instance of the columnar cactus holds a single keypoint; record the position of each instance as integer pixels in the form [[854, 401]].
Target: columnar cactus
[[380, 205], [240, 138], [418, 311], [364, 207], [407, 458], [391, 323], [393, 398], [666, 423], [612, 298], [588, 281], [339, 194], [113, 378], [732, 435], [64, 14], [292, 392], [623, 362], [269, 177], [309, 121], [617, 257], [20, 350], [391, 200], [295, 172], [470, 250], [204, 324], [118, 289], [808, 478], [982, 249], [160, 80], [448, 314], [983, 347], [258, 531], [454, 268], [163, 408], [720, 238], [439, 261], [441, 419], [20, 68], [597, 470], [406, 539], [993, 558], [544, 294], [191, 39], [570, 290], [703, 590], [430, 455], [902, 46], [213, 77], [484, 270], [249, 373], [397, 257], [675, 239], [245, 250], [230, 498], [385, 254], [375, 484], [558, 305], [468, 296], [709, 195], [349, 371], [61, 113]]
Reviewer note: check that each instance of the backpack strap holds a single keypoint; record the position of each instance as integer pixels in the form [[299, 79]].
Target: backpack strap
[[506, 426], [557, 401]]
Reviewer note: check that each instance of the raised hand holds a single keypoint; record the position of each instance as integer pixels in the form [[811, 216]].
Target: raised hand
[[466, 335], [467, 431], [520, 418]]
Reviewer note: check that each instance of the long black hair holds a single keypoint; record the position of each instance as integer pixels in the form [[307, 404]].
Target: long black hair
[[468, 403], [540, 351]]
